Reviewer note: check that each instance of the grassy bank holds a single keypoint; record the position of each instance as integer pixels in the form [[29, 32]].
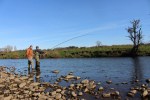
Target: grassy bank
[[102, 51]]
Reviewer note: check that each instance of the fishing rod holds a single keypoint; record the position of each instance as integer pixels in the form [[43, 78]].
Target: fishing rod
[[70, 40]]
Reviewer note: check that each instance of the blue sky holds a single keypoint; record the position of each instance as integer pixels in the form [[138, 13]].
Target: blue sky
[[47, 23]]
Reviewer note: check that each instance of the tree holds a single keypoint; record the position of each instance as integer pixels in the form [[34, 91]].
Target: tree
[[135, 35], [15, 48], [98, 43]]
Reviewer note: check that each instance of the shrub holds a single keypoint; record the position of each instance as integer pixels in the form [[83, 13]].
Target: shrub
[[55, 54], [15, 56]]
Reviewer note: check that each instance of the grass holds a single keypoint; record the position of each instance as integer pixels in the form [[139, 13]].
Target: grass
[[102, 51]]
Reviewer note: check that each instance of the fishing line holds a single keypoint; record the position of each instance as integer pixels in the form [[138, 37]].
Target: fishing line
[[70, 39]]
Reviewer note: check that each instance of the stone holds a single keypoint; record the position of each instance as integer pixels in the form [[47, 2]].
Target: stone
[[98, 83], [78, 78], [86, 90], [90, 86], [145, 85], [136, 88], [85, 81], [131, 94], [72, 85], [111, 88], [35, 84], [36, 94], [58, 90], [58, 96], [24, 78], [73, 94], [55, 71], [22, 85], [144, 93], [100, 88], [131, 88], [148, 80], [80, 93], [117, 93], [42, 97], [106, 95], [124, 83], [2, 86], [136, 80], [108, 82], [53, 93], [133, 91], [69, 76]]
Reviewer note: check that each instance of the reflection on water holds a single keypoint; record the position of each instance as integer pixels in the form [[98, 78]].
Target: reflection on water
[[116, 69]]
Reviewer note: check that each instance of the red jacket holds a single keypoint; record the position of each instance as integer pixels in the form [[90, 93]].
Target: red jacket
[[29, 52]]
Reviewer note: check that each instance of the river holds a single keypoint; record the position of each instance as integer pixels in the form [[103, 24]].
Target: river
[[116, 69]]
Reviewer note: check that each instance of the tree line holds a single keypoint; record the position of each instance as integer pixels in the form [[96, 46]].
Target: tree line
[[8, 49]]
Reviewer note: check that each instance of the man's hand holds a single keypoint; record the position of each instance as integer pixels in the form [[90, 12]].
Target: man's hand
[[45, 52]]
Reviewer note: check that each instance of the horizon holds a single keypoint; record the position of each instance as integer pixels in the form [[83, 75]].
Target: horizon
[[49, 23]]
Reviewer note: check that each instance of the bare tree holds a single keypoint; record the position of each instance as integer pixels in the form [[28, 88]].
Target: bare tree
[[98, 43], [15, 48], [135, 35]]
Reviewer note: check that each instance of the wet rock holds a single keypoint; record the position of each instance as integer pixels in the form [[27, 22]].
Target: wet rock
[[133, 91], [100, 88], [2, 86], [145, 85], [124, 83], [36, 94], [73, 94], [42, 97], [116, 93], [86, 90], [58, 96], [131, 88], [144, 93], [70, 73], [72, 85], [148, 80], [111, 88], [136, 88], [130, 94], [108, 82], [106, 95], [58, 90], [80, 94], [55, 71], [69, 76], [85, 81], [98, 83], [22, 85], [24, 78], [35, 84], [53, 93], [78, 78]]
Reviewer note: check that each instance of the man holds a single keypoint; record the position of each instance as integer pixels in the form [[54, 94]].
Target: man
[[37, 54], [29, 55]]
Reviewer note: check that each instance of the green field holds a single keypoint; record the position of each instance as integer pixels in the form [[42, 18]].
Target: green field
[[102, 51]]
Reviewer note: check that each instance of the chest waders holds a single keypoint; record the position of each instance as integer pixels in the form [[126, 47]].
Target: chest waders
[[37, 61]]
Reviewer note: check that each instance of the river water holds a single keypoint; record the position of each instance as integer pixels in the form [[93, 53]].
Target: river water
[[127, 69]]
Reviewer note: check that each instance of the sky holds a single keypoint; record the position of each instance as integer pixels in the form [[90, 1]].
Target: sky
[[47, 23]]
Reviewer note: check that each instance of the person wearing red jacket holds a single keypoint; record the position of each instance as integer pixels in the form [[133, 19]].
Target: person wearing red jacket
[[29, 55]]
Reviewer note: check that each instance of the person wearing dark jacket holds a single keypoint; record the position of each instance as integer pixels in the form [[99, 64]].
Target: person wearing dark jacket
[[37, 54]]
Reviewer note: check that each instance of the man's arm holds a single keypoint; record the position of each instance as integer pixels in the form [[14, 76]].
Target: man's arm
[[39, 51]]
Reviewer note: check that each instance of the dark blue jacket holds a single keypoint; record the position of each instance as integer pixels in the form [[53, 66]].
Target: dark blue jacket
[[37, 50]]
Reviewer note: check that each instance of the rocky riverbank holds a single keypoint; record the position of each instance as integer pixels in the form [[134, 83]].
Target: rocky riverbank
[[22, 87]]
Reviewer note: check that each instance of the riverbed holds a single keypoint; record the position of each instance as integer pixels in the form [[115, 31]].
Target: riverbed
[[115, 69]]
